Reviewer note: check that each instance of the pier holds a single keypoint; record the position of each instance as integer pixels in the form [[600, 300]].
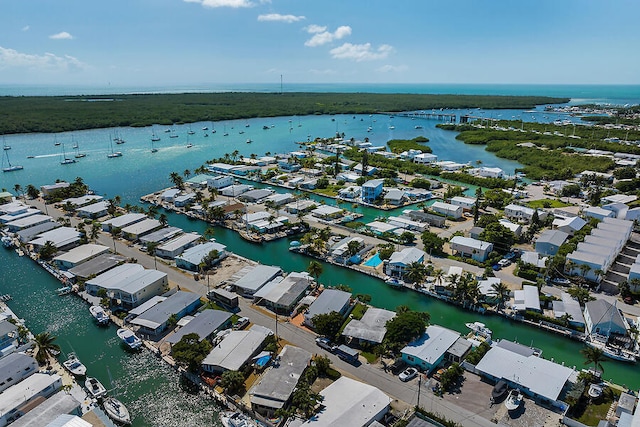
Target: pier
[[438, 115]]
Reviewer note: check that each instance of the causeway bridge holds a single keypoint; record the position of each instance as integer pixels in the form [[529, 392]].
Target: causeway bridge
[[438, 115]]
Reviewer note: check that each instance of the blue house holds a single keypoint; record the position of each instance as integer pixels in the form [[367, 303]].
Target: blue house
[[428, 351], [371, 190]]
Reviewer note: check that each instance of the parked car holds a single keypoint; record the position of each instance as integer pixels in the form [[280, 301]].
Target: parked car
[[560, 281], [241, 323], [504, 262], [408, 374], [325, 343]]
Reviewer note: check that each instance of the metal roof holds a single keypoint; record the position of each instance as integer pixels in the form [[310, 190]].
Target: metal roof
[[97, 265], [161, 235], [432, 345], [372, 327], [124, 220], [286, 291], [115, 275], [204, 324], [552, 237], [81, 253], [254, 278], [328, 301], [143, 226], [407, 256], [235, 349], [48, 411], [602, 312], [195, 254], [160, 313], [179, 242], [60, 237]]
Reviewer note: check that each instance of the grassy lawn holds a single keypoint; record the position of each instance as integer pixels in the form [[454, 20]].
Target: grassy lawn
[[358, 311], [371, 358], [330, 191], [594, 413], [547, 203]]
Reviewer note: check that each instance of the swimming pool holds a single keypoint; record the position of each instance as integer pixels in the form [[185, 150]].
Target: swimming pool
[[374, 261]]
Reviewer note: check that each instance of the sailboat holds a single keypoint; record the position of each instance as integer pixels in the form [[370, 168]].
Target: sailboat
[[10, 168], [66, 160], [189, 145], [153, 148], [191, 131], [154, 137], [4, 145], [173, 134], [213, 129], [113, 154], [78, 155], [225, 131], [118, 140]]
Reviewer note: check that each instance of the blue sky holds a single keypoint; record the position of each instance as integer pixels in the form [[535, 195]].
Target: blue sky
[[182, 42]]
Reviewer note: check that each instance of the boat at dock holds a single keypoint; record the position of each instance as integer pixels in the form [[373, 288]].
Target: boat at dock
[[236, 419], [514, 400], [129, 338], [5, 297], [98, 313], [394, 282], [7, 242], [65, 290], [615, 353], [95, 388], [116, 410], [479, 328], [73, 365]]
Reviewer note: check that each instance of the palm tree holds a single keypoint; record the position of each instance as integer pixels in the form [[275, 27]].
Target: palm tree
[[415, 272], [186, 173], [594, 355], [315, 269], [115, 231], [209, 233], [95, 231], [151, 249], [45, 347], [152, 210], [439, 276], [501, 292], [163, 219], [18, 190]]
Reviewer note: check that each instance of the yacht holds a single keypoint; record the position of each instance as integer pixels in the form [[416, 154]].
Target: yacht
[[479, 329], [394, 282], [73, 365], [236, 419], [10, 167], [116, 410], [129, 338], [99, 314], [95, 388]]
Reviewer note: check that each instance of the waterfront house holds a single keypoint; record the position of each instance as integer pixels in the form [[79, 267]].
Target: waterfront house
[[254, 196], [371, 190], [568, 306], [467, 247], [428, 218], [486, 172], [425, 158], [371, 329], [598, 213], [379, 227], [32, 232], [603, 318], [63, 238], [527, 299], [279, 199], [27, 222], [250, 279], [246, 170], [371, 170], [269, 225], [161, 235], [533, 258], [235, 190], [79, 255], [407, 223], [550, 241], [156, 319], [328, 301], [521, 368], [522, 213], [351, 192], [327, 212], [486, 290], [8, 337], [224, 168], [569, 225], [169, 195], [281, 296], [136, 230], [16, 367], [418, 193], [198, 181], [24, 213], [14, 208], [93, 210], [348, 402], [428, 351], [447, 209], [78, 202], [48, 189], [205, 324], [309, 184], [340, 250], [288, 165], [184, 199], [219, 181], [235, 350], [119, 222], [347, 177], [467, 203], [191, 258], [96, 266], [397, 265], [17, 399], [395, 196], [273, 391], [177, 245]]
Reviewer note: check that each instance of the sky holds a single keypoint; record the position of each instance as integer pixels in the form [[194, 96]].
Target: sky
[[190, 42]]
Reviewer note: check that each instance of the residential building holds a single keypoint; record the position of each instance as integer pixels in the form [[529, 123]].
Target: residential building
[[249, 280], [191, 258], [78, 255], [569, 225], [351, 192], [96, 266], [397, 265], [604, 318], [21, 394], [340, 251], [50, 188], [77, 202], [136, 230], [428, 351], [279, 199], [327, 212], [281, 296], [330, 300], [169, 195], [198, 181], [487, 172], [598, 213], [527, 299], [129, 285], [8, 337], [619, 209], [550, 241], [176, 246], [447, 209], [219, 181], [205, 324], [27, 222], [467, 203], [14, 368], [235, 190], [568, 306], [254, 196], [156, 319], [235, 350], [63, 238], [516, 229], [93, 210], [119, 222], [371, 190], [371, 328], [395, 197], [522, 213], [470, 248], [425, 158]]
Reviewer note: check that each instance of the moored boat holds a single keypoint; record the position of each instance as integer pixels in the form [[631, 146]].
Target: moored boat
[[236, 419], [116, 410], [7, 242], [394, 282], [129, 338], [95, 388], [64, 290], [73, 365], [99, 314], [479, 328]]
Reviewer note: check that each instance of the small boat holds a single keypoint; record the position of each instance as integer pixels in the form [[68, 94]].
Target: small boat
[[499, 391], [418, 127], [191, 131], [392, 127], [167, 131], [129, 338], [65, 290], [514, 399], [73, 365], [99, 314], [116, 410], [595, 390], [241, 132], [5, 297], [189, 145], [236, 419], [114, 154], [7, 242], [479, 329], [4, 145], [205, 128], [95, 388], [10, 168], [31, 157], [249, 141], [394, 282], [265, 127], [154, 137]]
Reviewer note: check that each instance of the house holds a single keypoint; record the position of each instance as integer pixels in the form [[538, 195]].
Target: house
[[569, 225], [425, 158], [235, 350], [340, 251], [51, 412], [598, 213], [169, 195], [119, 222], [8, 337], [568, 306], [351, 192], [36, 386], [406, 223], [14, 368], [199, 181], [4, 219], [486, 290], [428, 351], [327, 212], [63, 238], [281, 296], [395, 196], [527, 299], [522, 213], [249, 280], [536, 377], [235, 190], [594, 260], [371, 170], [177, 245], [371, 190], [371, 328], [550, 241], [397, 265], [447, 209], [253, 196], [379, 227], [475, 232], [191, 258], [348, 177], [471, 248], [348, 402], [134, 231], [161, 235], [619, 209], [279, 199], [467, 203], [47, 190], [428, 218], [309, 184], [79, 255], [603, 318], [77, 202], [184, 199], [487, 172], [205, 324], [96, 266], [27, 222], [156, 319], [94, 210], [516, 229], [330, 300], [219, 181], [278, 383], [533, 258]]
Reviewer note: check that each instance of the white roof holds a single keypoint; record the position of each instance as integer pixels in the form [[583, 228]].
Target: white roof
[[137, 282], [463, 200], [82, 253], [235, 349], [195, 254], [16, 395], [94, 208], [29, 220], [432, 344], [372, 327], [61, 236], [349, 402], [407, 256], [598, 211], [527, 298], [445, 206], [541, 376], [256, 216], [323, 210], [373, 183], [83, 200], [470, 243], [575, 223], [124, 220], [115, 275], [486, 286], [147, 305], [142, 226], [286, 291], [381, 226], [255, 277], [66, 420], [178, 242]]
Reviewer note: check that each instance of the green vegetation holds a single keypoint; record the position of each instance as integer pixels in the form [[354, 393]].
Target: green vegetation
[[190, 351], [478, 353], [404, 327], [399, 145], [65, 113], [45, 347], [329, 324], [232, 382], [547, 203]]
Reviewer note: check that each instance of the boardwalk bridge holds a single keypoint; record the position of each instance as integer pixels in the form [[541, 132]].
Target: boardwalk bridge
[[438, 115]]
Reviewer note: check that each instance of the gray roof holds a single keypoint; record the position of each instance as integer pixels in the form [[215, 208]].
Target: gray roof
[[124, 220], [161, 235], [432, 345], [203, 324], [460, 347], [195, 254], [601, 311], [253, 278], [48, 411], [60, 237], [235, 349], [142, 227], [287, 291], [16, 362], [97, 265], [115, 275], [407, 256], [136, 311], [31, 232], [328, 301], [7, 327], [553, 237], [277, 384], [256, 194], [569, 306], [82, 253], [160, 313], [372, 327], [515, 347]]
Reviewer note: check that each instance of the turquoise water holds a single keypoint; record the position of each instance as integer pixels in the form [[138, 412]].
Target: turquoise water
[[374, 261]]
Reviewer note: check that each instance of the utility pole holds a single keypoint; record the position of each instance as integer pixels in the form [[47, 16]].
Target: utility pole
[[419, 386]]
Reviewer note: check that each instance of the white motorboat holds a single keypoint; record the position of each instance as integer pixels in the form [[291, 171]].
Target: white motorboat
[[95, 388], [513, 400], [64, 290], [595, 390], [99, 314], [116, 410], [236, 419], [479, 328], [129, 338], [73, 365], [394, 282], [7, 242]]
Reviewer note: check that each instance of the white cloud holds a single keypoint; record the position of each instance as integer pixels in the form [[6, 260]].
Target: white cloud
[[10, 58], [276, 17], [360, 52], [392, 68], [25, 28], [321, 36], [61, 36], [223, 3]]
